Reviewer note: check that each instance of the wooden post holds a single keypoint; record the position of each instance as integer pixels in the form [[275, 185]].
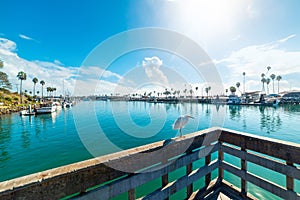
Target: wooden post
[[165, 178], [289, 180], [244, 169], [189, 169], [221, 170], [208, 176], [131, 194]]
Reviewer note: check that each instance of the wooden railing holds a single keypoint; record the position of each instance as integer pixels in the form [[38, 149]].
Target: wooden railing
[[275, 155], [123, 172]]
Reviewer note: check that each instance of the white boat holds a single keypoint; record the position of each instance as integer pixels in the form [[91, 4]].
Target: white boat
[[46, 108], [272, 101], [57, 105], [233, 100], [67, 104], [27, 112]]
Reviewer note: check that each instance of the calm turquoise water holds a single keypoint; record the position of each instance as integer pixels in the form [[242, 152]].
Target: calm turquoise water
[[33, 144]]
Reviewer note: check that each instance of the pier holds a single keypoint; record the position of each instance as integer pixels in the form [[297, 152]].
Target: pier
[[111, 175]]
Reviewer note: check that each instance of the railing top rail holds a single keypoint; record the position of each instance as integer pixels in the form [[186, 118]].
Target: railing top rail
[[284, 150]]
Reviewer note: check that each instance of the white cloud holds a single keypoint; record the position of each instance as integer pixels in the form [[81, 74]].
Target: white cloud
[[96, 72], [254, 60], [53, 73], [7, 45], [25, 37], [286, 39], [152, 69]]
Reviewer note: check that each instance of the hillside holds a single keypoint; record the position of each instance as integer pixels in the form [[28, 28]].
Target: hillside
[[10, 102]]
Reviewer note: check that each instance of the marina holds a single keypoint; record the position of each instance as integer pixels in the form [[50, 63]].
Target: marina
[[160, 100]]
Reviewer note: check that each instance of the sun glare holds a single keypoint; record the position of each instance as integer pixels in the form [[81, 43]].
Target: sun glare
[[209, 18]]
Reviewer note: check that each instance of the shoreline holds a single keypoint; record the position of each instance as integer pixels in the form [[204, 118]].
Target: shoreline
[[10, 109]]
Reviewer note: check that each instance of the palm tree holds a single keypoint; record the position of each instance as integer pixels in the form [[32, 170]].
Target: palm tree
[[191, 92], [268, 68], [34, 80], [238, 84], [207, 90], [48, 90], [196, 88], [244, 74], [185, 90], [54, 90], [178, 92], [273, 76], [226, 91], [232, 89], [268, 80], [42, 82], [278, 78], [21, 76], [263, 80]]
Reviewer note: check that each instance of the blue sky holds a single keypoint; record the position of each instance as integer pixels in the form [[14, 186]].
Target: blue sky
[[52, 39]]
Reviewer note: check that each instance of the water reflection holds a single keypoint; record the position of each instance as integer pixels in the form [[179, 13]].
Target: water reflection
[[46, 118], [5, 138], [234, 112], [270, 120]]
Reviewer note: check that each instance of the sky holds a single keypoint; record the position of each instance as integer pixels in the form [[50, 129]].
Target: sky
[[61, 42]]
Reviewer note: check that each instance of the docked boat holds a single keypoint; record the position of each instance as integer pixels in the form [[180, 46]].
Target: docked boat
[[233, 100], [27, 112], [46, 108], [67, 104], [57, 105], [272, 101]]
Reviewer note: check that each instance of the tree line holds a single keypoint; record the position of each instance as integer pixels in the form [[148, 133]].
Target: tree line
[[265, 79], [22, 76]]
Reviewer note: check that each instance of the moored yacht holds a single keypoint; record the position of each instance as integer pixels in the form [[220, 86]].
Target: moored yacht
[[46, 108]]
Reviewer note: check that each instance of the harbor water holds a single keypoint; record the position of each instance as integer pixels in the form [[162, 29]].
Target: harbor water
[[30, 144]]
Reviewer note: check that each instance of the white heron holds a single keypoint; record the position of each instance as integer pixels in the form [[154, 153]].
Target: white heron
[[181, 122]]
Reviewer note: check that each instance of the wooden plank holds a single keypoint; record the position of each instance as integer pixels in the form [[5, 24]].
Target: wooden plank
[[189, 188], [280, 149], [208, 176], [131, 194], [120, 186], [214, 186], [220, 158], [244, 169], [152, 154], [59, 182], [188, 171], [182, 182], [289, 179], [234, 192], [260, 182], [266, 162]]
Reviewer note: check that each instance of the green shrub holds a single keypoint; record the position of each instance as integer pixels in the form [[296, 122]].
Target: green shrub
[[8, 99]]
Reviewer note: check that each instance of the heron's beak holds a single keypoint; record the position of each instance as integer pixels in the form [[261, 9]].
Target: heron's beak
[[191, 117]]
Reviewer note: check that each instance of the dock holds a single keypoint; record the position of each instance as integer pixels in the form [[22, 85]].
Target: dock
[[111, 175]]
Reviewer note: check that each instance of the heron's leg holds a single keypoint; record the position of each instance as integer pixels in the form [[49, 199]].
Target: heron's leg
[[180, 132]]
